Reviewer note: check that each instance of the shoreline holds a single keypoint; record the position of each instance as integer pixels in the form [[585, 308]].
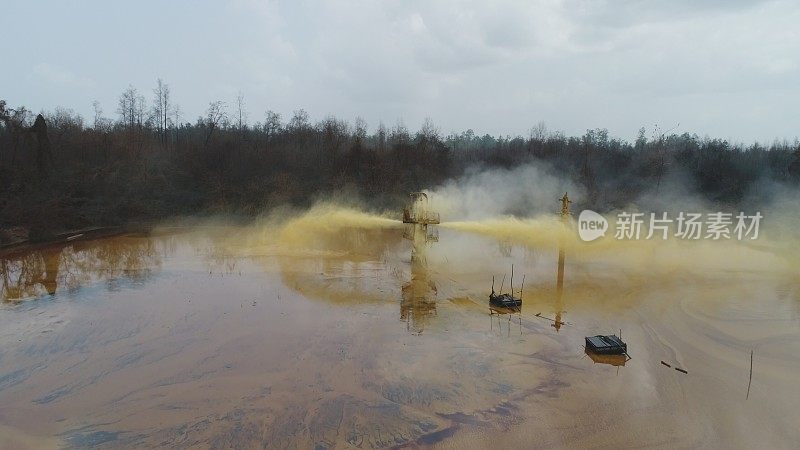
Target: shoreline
[[84, 234]]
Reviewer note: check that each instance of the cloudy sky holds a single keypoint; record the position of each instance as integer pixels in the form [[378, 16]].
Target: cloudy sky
[[723, 68]]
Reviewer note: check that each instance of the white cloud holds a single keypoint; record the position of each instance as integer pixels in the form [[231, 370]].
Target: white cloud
[[61, 77], [723, 68]]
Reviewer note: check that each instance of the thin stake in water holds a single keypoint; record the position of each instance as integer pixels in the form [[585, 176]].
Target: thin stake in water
[[751, 375]]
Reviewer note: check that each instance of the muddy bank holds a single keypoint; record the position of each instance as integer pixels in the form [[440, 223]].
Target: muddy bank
[[21, 239]]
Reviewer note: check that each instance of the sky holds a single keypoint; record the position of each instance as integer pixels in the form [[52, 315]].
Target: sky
[[720, 68]]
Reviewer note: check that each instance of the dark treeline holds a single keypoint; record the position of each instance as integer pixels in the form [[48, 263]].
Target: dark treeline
[[59, 172]]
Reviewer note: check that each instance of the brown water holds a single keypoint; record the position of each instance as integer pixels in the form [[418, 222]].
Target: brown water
[[209, 338]]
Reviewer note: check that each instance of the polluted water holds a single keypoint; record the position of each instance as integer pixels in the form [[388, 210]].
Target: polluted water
[[338, 328]]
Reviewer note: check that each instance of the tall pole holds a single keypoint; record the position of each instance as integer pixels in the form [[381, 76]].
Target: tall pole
[[565, 201]]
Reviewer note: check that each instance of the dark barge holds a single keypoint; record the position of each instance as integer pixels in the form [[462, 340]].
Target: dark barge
[[507, 300], [504, 301], [606, 345]]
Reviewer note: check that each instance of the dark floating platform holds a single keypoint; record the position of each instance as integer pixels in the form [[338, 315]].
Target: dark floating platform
[[504, 301], [606, 345]]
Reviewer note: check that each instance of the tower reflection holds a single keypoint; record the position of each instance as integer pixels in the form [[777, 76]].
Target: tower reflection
[[418, 303], [565, 214]]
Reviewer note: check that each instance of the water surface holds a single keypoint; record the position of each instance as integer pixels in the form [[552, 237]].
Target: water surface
[[195, 340]]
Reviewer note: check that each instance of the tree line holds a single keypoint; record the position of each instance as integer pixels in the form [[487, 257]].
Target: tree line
[[61, 172]]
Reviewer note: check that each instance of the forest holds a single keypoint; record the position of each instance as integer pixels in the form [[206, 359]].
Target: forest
[[61, 172]]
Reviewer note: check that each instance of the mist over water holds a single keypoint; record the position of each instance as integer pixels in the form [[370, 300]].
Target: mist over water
[[519, 207]]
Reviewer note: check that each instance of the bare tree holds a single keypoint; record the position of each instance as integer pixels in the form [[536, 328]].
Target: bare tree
[[127, 107], [62, 121], [539, 132], [161, 108], [659, 149], [241, 113], [334, 135], [429, 131], [140, 114], [641, 140], [16, 123], [216, 115], [98, 114], [299, 121], [381, 137], [399, 134], [272, 124], [176, 124], [360, 130]]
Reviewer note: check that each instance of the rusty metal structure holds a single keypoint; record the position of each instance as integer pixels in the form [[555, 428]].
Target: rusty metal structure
[[417, 216], [418, 212], [418, 301], [565, 202]]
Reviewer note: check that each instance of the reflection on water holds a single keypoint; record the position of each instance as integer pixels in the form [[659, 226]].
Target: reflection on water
[[418, 303], [28, 273], [345, 266], [565, 215], [198, 341], [559, 309], [501, 323], [612, 360]]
